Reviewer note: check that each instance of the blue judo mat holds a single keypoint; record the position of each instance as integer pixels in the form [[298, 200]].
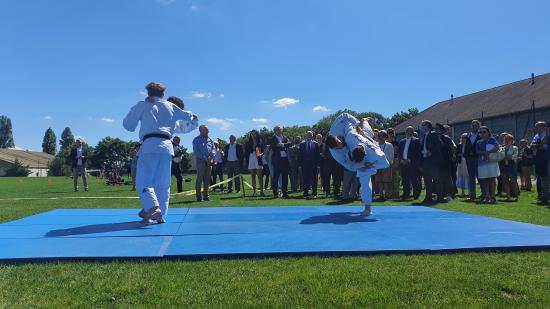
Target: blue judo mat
[[193, 233]]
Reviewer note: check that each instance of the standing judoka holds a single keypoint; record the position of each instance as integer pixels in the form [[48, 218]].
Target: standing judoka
[[158, 119], [359, 153]]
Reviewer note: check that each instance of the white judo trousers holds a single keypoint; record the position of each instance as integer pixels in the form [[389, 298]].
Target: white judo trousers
[[153, 176], [153, 179]]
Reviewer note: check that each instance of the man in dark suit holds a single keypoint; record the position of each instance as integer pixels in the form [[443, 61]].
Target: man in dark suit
[[431, 163], [309, 159], [410, 158], [471, 157], [448, 151], [78, 157], [176, 162], [279, 145], [233, 157]]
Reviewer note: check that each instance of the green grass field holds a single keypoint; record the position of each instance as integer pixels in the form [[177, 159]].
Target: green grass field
[[434, 280]]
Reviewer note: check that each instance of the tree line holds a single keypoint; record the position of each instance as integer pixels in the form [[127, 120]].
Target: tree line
[[115, 153]]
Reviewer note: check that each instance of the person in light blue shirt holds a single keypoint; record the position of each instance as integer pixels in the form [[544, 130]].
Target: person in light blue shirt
[[157, 119], [203, 149]]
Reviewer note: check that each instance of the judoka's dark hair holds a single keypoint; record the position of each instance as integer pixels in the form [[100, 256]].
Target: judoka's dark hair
[[177, 101], [358, 154], [330, 141], [155, 89]]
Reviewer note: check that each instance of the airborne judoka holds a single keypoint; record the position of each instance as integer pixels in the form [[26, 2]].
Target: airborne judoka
[[357, 152], [158, 120]]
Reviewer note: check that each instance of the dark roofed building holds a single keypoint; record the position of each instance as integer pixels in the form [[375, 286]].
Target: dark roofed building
[[513, 108]]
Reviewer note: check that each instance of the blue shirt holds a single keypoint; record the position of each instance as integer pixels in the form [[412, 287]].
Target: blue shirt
[[203, 147], [481, 145]]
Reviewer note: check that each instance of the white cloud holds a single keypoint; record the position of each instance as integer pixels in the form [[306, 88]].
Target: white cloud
[[107, 119], [194, 8], [284, 102], [221, 95], [224, 124], [259, 120], [320, 109], [166, 2], [47, 118], [143, 93], [201, 95]]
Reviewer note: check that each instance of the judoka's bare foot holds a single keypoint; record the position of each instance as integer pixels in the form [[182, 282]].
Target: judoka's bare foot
[[146, 221], [153, 214], [142, 214], [366, 212]]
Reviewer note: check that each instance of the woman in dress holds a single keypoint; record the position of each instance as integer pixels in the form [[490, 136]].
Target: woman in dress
[[253, 153], [462, 169], [509, 170], [487, 169]]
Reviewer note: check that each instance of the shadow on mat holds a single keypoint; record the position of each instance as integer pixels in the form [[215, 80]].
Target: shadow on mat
[[97, 228], [337, 218]]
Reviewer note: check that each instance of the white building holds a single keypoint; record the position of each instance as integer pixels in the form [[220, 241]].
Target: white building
[[37, 162]]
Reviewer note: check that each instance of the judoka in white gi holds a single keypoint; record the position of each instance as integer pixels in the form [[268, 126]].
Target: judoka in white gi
[[359, 152], [158, 120]]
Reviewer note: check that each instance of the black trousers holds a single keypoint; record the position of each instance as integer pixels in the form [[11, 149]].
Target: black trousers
[[309, 178], [280, 168], [332, 169], [432, 179], [176, 171], [410, 176]]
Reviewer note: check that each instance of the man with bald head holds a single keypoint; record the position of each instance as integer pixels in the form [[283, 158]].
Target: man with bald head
[[233, 158], [409, 156], [203, 148]]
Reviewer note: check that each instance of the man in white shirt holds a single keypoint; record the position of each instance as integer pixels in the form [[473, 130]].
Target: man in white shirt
[[79, 156], [233, 161], [157, 119], [279, 145], [409, 157]]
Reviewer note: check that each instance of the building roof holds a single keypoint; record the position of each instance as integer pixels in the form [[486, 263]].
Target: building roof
[[31, 158], [502, 100]]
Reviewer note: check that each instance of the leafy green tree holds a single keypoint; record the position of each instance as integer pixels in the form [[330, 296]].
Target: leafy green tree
[[6, 134], [18, 170], [49, 142], [111, 152], [222, 143], [67, 139], [185, 161], [400, 117]]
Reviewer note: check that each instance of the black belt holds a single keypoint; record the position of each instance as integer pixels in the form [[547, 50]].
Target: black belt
[[159, 135]]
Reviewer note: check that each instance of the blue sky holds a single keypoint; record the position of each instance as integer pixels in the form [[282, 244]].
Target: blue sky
[[243, 64]]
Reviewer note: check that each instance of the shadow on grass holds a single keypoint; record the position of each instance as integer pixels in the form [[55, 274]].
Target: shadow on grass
[[97, 228], [339, 218]]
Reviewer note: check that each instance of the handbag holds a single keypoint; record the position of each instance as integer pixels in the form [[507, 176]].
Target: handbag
[[497, 156]]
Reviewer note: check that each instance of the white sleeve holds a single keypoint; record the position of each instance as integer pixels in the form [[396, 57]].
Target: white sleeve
[[131, 120], [368, 129], [180, 114]]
